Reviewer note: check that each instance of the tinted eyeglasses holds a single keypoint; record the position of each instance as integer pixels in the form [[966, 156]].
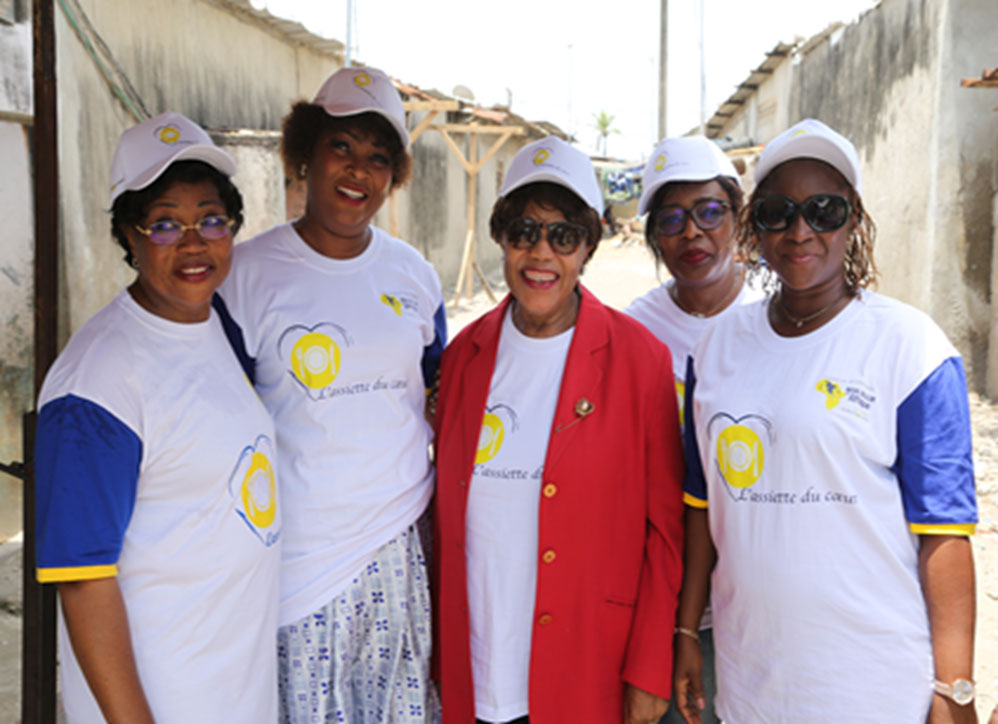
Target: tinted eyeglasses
[[168, 232], [706, 214], [563, 237], [822, 212]]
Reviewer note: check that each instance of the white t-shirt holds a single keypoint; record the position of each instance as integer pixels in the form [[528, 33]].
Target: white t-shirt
[[822, 457], [679, 330], [340, 351], [155, 462], [502, 524]]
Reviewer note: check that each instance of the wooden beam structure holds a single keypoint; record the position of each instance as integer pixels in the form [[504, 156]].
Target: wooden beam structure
[[472, 165]]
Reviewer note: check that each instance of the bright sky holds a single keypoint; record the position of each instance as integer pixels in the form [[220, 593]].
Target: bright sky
[[564, 67]]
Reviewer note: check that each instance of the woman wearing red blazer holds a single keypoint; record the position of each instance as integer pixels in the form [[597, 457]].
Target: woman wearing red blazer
[[559, 503]]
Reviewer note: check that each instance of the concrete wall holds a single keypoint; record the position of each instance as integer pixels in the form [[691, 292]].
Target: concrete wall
[[891, 83], [16, 271], [223, 68]]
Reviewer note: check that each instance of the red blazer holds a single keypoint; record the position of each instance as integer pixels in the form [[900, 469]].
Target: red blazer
[[611, 511]]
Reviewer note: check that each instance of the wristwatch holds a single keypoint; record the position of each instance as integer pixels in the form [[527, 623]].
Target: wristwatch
[[961, 690]]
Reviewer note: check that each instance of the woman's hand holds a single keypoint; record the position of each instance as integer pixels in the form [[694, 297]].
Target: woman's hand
[[640, 707], [944, 711], [97, 623], [946, 570], [687, 679]]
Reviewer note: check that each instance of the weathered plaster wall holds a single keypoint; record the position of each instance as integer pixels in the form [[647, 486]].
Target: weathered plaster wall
[[16, 251], [16, 315], [220, 69], [891, 83]]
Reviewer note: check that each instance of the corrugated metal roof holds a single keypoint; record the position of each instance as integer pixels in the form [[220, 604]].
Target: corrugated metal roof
[[757, 77]]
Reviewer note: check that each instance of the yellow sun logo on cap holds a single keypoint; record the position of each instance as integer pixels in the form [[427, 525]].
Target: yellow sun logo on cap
[[362, 79], [542, 156], [660, 162], [259, 491], [169, 134], [798, 132]]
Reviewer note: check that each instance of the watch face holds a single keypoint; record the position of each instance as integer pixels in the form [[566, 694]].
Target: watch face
[[963, 692]]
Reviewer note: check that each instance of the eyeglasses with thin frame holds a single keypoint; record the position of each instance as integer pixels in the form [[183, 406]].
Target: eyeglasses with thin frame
[[564, 237], [166, 232], [822, 212], [706, 213]]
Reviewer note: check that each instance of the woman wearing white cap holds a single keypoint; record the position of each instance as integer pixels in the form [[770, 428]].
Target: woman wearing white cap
[[343, 327], [692, 195], [828, 441], [558, 480], [155, 465]]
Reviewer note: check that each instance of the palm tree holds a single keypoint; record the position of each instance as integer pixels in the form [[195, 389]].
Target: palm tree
[[604, 125]]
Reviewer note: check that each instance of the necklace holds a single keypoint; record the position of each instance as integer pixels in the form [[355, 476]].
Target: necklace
[[729, 296], [799, 322]]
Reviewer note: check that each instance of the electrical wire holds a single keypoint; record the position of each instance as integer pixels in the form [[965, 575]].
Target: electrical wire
[[134, 105]]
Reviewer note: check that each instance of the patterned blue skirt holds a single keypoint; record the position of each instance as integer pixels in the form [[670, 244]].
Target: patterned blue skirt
[[364, 658]]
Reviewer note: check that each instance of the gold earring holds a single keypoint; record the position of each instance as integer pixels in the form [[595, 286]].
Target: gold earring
[[303, 171]]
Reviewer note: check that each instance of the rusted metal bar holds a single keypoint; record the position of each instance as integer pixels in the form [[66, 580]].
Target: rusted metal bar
[[38, 625], [38, 648]]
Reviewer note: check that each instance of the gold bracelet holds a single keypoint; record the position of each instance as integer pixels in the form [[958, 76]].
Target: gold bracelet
[[687, 632]]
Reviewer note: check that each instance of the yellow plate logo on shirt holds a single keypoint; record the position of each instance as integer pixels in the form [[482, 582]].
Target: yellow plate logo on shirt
[[490, 439], [740, 456], [315, 360], [259, 491]]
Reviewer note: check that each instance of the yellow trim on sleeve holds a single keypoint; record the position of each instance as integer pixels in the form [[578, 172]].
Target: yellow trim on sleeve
[[694, 502], [81, 573], [943, 528]]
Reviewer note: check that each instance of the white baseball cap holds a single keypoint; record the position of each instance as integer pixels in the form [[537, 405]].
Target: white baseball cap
[[811, 139], [147, 149], [551, 159], [690, 158], [352, 91]]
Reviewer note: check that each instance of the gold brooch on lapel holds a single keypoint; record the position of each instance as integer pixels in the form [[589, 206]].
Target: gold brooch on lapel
[[582, 408]]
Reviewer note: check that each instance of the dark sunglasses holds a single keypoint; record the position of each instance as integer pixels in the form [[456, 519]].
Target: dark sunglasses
[[563, 237], [168, 232], [706, 214], [822, 212]]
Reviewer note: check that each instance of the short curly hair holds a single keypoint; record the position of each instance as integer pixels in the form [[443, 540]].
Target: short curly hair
[[130, 208], [736, 197], [860, 268], [550, 195], [303, 126]]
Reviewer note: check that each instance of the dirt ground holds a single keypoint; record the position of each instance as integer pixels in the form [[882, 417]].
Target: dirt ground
[[619, 272]]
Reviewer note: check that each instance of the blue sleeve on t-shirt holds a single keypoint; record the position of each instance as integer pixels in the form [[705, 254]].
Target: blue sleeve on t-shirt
[[234, 333], [433, 351], [934, 459], [694, 484], [86, 476]]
